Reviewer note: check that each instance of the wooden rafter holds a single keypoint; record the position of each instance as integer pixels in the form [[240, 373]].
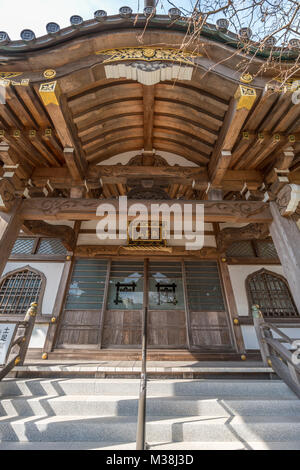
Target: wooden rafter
[[148, 101], [238, 111], [56, 106]]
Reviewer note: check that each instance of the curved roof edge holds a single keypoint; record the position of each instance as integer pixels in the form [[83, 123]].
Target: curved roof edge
[[10, 49]]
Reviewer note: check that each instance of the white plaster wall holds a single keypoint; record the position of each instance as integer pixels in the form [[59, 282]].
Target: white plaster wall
[[38, 336]]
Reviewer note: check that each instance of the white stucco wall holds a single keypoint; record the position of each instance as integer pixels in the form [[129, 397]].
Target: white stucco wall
[[52, 272]]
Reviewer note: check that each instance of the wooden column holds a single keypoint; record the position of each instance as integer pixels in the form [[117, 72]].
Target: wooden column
[[286, 238], [232, 308], [10, 226], [235, 328]]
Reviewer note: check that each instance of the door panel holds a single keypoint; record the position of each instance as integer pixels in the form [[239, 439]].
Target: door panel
[[208, 319], [81, 319], [167, 316], [167, 329], [123, 317], [122, 328]]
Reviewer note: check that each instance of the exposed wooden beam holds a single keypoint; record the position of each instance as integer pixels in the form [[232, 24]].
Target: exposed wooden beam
[[148, 101], [86, 209], [56, 106], [238, 111]]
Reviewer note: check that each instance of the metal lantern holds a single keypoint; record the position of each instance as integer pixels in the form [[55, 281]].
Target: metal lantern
[[100, 15], [245, 33], [149, 11], [27, 35], [125, 12], [53, 28], [76, 21], [4, 38], [174, 13], [222, 25]]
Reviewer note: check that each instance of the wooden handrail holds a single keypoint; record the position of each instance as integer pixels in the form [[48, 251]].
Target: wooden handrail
[[141, 425], [274, 353], [21, 340]]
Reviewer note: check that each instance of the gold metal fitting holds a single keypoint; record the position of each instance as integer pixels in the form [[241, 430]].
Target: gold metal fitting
[[68, 258], [224, 260], [269, 362], [243, 357], [236, 321], [45, 356], [53, 320], [17, 361]]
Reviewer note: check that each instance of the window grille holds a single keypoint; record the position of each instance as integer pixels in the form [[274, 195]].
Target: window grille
[[86, 290], [204, 290], [271, 292], [23, 246], [51, 246], [18, 290], [38, 246], [252, 249]]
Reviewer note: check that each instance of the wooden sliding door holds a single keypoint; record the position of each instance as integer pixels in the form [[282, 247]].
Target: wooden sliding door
[[105, 300], [81, 322], [208, 321]]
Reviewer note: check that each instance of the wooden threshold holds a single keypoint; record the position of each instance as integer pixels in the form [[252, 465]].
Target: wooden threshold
[[135, 355]]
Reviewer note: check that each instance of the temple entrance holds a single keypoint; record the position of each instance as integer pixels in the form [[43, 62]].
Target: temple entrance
[[184, 298]]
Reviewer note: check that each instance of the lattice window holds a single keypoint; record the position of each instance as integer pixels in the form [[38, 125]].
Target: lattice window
[[204, 289], [241, 249], [252, 249], [86, 290], [19, 289], [266, 249], [51, 246], [23, 246], [38, 246], [271, 292]]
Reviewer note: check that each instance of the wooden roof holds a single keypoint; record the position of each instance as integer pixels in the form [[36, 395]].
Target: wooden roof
[[87, 118]]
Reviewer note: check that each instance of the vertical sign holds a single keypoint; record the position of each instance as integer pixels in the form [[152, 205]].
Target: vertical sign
[[7, 333]]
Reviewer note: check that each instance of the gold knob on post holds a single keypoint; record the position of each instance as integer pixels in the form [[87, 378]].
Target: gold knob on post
[[53, 320], [45, 356], [17, 361], [236, 321], [243, 357]]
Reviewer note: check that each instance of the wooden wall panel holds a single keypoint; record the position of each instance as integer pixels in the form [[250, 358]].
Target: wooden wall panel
[[167, 329], [79, 328], [122, 328], [209, 330]]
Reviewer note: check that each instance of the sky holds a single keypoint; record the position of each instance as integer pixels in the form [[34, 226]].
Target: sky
[[35, 14]]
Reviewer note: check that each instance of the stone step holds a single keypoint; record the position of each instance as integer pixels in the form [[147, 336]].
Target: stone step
[[245, 389], [155, 446], [159, 429], [108, 405]]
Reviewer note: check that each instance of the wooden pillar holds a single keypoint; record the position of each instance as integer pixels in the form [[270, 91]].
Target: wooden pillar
[[10, 226], [232, 308], [286, 237], [234, 325]]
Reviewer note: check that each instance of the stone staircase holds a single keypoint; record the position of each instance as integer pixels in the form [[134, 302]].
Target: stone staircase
[[83, 413]]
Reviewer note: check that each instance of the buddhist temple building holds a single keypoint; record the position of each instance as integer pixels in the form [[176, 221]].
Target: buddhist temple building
[[123, 106]]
